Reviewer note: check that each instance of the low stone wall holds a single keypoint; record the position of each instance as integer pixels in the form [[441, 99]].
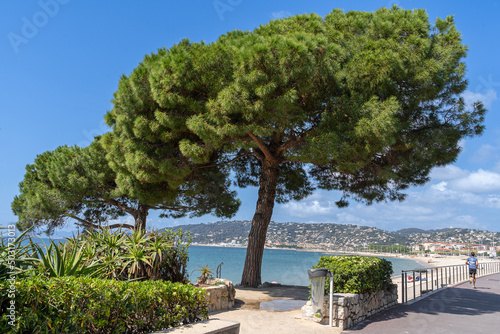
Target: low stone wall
[[350, 309], [220, 297]]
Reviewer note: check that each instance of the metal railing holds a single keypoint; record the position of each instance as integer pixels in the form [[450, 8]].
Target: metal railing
[[218, 272], [417, 283]]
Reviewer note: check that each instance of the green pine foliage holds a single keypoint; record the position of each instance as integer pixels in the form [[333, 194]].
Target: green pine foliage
[[69, 182], [73, 183], [92, 305], [370, 101], [356, 274], [365, 103]]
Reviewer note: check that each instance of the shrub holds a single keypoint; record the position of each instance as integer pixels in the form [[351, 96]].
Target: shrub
[[92, 305], [174, 262], [356, 274]]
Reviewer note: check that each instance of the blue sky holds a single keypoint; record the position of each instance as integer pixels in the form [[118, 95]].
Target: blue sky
[[62, 59]]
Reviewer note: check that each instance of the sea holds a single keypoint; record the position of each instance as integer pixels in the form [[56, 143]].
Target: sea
[[284, 266]]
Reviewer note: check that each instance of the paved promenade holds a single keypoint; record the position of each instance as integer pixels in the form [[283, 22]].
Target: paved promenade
[[458, 309]]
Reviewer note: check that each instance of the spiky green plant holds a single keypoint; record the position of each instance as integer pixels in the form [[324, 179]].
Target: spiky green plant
[[58, 260], [206, 273], [13, 255]]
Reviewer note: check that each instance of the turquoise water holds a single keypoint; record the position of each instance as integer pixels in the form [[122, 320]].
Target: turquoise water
[[281, 265]]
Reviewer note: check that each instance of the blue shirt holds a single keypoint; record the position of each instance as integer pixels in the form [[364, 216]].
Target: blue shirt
[[472, 262]]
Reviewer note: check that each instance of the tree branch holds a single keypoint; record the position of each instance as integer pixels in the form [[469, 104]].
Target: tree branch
[[228, 162], [289, 144], [84, 222], [92, 225], [263, 147], [174, 208], [120, 226], [121, 206]]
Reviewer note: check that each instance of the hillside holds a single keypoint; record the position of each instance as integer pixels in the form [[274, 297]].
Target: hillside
[[331, 235]]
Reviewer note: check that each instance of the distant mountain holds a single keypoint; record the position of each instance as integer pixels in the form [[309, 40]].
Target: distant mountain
[[411, 231], [329, 235]]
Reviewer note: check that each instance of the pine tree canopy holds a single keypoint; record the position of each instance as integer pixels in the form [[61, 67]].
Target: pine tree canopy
[[77, 183], [366, 103], [370, 101]]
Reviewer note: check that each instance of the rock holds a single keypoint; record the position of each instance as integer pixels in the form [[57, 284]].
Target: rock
[[309, 312], [355, 299]]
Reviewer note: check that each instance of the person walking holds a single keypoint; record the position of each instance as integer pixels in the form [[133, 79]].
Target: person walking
[[473, 263]]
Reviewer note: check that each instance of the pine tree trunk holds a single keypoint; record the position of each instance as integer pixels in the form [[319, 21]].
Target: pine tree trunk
[[257, 238], [140, 217]]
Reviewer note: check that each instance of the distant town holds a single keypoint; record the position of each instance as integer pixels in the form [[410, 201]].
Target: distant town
[[340, 237]]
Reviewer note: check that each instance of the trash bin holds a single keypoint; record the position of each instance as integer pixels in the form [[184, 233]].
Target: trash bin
[[318, 277], [313, 309]]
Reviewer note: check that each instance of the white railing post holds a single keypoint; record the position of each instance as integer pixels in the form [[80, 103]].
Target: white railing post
[[331, 301]]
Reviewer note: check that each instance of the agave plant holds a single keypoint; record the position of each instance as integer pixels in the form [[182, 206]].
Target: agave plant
[[13, 255], [58, 260], [159, 246], [136, 258], [117, 255], [206, 273]]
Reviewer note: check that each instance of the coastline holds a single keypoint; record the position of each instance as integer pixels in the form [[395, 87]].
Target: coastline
[[429, 261]]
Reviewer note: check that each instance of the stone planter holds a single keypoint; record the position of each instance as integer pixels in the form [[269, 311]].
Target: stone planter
[[350, 309], [220, 297]]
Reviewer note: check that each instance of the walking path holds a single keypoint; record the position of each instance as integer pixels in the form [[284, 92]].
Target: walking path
[[457, 309]]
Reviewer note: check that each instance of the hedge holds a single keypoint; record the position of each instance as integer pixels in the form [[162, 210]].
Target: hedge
[[91, 305], [356, 274]]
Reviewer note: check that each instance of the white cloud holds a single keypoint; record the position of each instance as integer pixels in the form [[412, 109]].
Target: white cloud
[[455, 197], [478, 182], [459, 201], [308, 208], [466, 221], [481, 181], [442, 193], [281, 14], [487, 98], [440, 186], [494, 201], [449, 172]]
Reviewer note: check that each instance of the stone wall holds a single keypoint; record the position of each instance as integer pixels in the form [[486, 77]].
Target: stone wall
[[220, 297], [350, 309]]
